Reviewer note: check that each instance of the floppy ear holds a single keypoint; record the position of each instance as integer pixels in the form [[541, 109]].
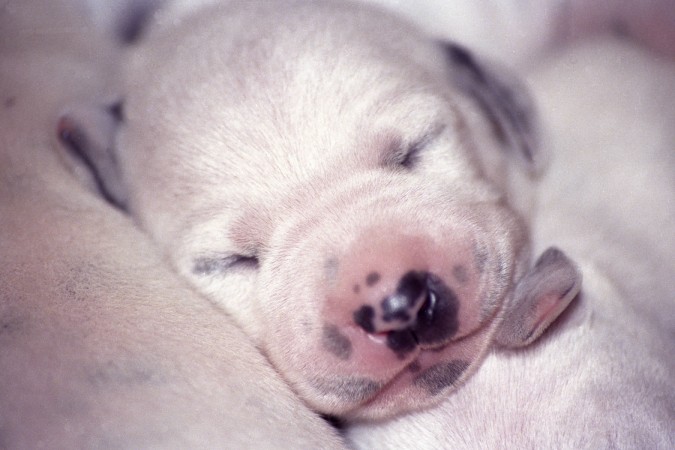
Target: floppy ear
[[502, 98], [88, 133], [539, 298]]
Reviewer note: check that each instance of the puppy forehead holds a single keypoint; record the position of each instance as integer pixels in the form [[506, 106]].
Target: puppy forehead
[[258, 107], [275, 55]]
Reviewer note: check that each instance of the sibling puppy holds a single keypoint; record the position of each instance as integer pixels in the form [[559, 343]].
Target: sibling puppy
[[101, 345], [347, 188], [604, 377]]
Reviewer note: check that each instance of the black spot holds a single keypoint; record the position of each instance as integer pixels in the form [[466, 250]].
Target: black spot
[[348, 389], [364, 318], [414, 367], [131, 28], [401, 342], [330, 268], [460, 274], [116, 110], [508, 116], [411, 285], [9, 102], [408, 293], [222, 264], [372, 279], [440, 376], [480, 254], [336, 342], [356, 289], [438, 321]]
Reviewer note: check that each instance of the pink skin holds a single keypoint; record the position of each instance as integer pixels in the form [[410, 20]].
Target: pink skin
[[392, 255], [390, 381]]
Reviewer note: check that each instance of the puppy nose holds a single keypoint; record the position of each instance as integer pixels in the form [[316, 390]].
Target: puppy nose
[[422, 310], [392, 292], [399, 310]]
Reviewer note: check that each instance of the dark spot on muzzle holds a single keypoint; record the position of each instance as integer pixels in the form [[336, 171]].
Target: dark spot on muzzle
[[354, 389], [364, 317], [422, 310], [460, 273], [408, 293], [372, 279], [440, 376], [336, 343], [438, 320], [401, 342]]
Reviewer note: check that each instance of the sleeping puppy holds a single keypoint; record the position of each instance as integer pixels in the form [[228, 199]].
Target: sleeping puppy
[[604, 377], [351, 191]]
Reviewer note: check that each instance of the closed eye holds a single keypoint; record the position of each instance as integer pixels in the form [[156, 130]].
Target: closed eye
[[221, 265], [412, 154], [408, 156]]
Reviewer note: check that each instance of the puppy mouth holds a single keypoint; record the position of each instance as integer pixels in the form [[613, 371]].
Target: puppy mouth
[[392, 396], [431, 373]]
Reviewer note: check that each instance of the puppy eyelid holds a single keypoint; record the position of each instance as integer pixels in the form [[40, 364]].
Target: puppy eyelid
[[412, 154], [221, 265]]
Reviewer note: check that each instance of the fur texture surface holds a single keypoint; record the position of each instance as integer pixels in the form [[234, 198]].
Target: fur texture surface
[[101, 346], [351, 190], [603, 377]]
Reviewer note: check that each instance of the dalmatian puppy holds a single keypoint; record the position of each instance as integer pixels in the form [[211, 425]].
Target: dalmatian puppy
[[101, 345], [604, 377], [353, 192]]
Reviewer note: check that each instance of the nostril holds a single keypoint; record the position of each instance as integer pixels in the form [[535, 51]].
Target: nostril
[[437, 320], [426, 312], [402, 306], [401, 309], [422, 311]]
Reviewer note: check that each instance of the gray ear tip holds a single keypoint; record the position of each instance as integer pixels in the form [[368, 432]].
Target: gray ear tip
[[557, 260], [553, 255], [554, 282]]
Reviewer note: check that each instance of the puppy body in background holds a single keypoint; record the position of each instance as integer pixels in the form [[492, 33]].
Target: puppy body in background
[[101, 345]]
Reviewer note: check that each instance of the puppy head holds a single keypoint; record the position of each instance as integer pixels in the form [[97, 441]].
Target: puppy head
[[335, 180]]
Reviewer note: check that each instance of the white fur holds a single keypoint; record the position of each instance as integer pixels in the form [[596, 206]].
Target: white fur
[[61, 250], [100, 345], [273, 131], [604, 377]]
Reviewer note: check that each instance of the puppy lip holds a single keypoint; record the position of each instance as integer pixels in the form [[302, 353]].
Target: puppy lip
[[378, 338], [388, 385]]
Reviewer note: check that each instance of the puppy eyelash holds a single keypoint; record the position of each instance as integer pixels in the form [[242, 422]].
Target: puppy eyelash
[[412, 154], [411, 157], [207, 265]]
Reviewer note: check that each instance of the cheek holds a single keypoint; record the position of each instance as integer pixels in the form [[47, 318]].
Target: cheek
[[235, 294]]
